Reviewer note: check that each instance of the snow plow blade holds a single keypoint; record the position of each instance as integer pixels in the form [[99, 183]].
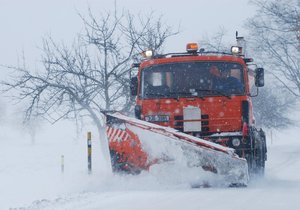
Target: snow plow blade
[[136, 145]]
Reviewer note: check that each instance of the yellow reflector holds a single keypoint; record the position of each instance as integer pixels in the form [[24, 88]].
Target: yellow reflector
[[192, 47]]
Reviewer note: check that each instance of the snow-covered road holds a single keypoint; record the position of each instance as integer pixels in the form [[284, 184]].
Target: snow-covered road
[[30, 179]]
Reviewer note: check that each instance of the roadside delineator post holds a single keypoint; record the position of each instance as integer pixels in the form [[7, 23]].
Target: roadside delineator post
[[62, 164], [89, 147]]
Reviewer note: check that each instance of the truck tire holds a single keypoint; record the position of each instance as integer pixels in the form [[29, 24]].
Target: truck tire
[[260, 162], [257, 155], [261, 153], [120, 165], [117, 165]]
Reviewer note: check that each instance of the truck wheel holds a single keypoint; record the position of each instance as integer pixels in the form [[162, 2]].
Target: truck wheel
[[261, 153], [260, 162], [257, 156], [120, 165], [115, 161]]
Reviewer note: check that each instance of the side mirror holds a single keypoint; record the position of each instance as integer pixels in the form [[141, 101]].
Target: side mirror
[[259, 77], [134, 86]]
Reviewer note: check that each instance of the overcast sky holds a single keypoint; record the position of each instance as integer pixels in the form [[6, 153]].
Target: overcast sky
[[24, 22]]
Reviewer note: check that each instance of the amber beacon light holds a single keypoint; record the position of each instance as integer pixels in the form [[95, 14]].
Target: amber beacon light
[[192, 47]]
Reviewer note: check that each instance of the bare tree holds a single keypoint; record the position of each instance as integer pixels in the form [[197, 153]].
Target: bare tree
[[272, 108], [93, 74], [118, 40], [215, 42], [2, 110], [275, 34]]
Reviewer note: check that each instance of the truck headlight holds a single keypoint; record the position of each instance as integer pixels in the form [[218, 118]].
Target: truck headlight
[[236, 50], [236, 142], [147, 54]]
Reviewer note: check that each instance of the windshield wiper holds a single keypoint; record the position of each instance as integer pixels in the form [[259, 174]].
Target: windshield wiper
[[156, 94], [213, 90], [189, 94], [177, 95], [192, 93], [163, 95], [221, 93]]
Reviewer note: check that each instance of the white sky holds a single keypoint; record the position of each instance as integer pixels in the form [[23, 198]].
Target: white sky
[[24, 23]]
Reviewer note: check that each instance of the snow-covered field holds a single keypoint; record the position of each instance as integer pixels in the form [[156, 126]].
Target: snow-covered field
[[31, 178]]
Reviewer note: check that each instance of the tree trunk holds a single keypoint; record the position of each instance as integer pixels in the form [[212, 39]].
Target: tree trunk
[[101, 129]]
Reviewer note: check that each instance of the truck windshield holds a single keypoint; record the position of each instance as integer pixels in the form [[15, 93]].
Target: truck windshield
[[196, 79]]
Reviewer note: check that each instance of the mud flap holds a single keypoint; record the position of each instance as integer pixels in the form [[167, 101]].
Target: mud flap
[[137, 145]]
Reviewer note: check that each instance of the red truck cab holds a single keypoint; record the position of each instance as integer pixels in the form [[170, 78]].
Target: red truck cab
[[205, 94]]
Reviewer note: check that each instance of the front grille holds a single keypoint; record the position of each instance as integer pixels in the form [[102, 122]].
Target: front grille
[[178, 123], [180, 117], [204, 117], [204, 123]]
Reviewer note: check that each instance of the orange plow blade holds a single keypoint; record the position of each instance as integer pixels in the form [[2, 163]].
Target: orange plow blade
[[136, 145]]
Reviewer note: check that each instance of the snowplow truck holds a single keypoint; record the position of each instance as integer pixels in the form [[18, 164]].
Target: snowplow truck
[[202, 101]]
